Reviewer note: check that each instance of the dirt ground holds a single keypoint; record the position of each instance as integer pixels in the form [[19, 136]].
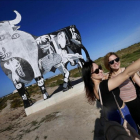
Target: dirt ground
[[73, 119]]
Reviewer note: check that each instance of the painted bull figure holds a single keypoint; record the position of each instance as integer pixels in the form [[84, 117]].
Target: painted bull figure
[[59, 48], [24, 57]]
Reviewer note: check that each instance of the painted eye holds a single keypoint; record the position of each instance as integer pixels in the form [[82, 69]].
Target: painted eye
[[2, 37], [15, 36]]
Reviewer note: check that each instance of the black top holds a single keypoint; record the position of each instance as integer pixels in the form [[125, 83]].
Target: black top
[[107, 96]]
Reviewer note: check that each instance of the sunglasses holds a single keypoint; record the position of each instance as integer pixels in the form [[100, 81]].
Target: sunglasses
[[97, 70], [116, 60]]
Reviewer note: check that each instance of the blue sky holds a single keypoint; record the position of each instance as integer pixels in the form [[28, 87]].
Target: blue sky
[[104, 25]]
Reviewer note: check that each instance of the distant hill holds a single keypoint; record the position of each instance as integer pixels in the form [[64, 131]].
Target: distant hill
[[127, 55]]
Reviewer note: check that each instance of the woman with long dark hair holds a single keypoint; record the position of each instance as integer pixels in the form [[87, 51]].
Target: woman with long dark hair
[[93, 75]]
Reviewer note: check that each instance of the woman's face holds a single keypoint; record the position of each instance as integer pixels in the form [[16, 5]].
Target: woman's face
[[96, 72], [115, 65]]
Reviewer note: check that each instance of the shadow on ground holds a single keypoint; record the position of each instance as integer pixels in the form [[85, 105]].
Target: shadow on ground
[[60, 88], [98, 132]]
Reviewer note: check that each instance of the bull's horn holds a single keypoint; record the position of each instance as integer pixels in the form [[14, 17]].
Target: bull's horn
[[16, 20]]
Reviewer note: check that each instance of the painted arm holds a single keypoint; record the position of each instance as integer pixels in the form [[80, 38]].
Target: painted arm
[[15, 77], [41, 39], [74, 56], [119, 79]]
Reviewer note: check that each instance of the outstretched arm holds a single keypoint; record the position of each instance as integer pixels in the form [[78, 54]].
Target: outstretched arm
[[74, 56], [119, 79]]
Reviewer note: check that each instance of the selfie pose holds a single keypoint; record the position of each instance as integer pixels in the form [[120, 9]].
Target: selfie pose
[[93, 75]]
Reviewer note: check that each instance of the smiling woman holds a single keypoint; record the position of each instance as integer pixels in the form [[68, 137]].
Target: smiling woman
[[93, 75], [127, 89]]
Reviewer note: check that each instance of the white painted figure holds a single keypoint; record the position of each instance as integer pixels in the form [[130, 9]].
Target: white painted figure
[[24, 57]]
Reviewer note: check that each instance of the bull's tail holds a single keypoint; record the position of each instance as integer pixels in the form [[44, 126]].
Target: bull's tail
[[86, 52]]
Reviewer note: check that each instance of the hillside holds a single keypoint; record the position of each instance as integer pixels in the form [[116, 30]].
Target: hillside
[[127, 55]]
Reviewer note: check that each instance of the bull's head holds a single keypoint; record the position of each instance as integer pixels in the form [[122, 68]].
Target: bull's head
[[11, 23], [7, 33]]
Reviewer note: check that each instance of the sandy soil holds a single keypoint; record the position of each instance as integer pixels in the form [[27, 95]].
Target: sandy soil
[[73, 119]]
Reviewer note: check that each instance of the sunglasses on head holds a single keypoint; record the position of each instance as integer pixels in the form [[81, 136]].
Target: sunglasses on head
[[97, 70], [116, 60]]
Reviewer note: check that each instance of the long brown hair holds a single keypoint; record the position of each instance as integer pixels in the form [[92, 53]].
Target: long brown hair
[[106, 60]]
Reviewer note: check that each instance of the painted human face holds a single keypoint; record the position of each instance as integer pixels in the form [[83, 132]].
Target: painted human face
[[61, 38], [4, 54], [14, 65], [45, 47], [96, 72], [115, 65]]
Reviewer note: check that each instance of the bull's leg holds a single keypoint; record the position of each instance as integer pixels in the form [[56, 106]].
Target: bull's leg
[[65, 72], [69, 84], [27, 93], [86, 52], [79, 63], [21, 90], [40, 82]]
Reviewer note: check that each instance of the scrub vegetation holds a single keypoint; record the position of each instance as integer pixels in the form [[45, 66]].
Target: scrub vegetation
[[33, 125], [127, 55]]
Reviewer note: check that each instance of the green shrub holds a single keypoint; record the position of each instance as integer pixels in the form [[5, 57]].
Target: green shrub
[[52, 84], [74, 71], [76, 75], [3, 103], [48, 81], [59, 82], [16, 103], [33, 100], [13, 96]]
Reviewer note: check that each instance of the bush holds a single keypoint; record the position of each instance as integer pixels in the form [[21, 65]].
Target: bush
[[58, 82], [3, 103], [16, 103], [76, 75], [13, 96], [48, 81]]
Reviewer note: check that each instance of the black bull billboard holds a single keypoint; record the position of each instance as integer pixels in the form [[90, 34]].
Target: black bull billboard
[[24, 57]]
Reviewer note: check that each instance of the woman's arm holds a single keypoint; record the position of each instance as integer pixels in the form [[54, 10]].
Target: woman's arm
[[119, 79]]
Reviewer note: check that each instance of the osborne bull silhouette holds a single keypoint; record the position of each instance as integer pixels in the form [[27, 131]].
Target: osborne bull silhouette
[[24, 57]]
